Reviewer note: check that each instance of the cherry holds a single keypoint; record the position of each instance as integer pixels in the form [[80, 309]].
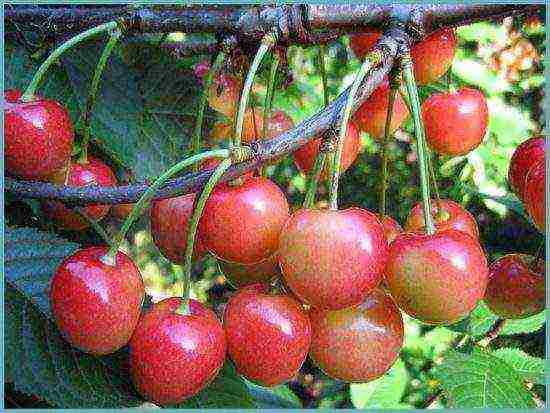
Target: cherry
[[439, 278], [372, 114], [514, 289], [332, 259], [268, 335], [362, 43], [93, 172], [534, 194], [455, 122], [447, 214], [96, 305], [121, 211], [525, 156], [391, 227], [175, 356], [224, 94], [357, 344], [304, 158], [241, 275], [38, 136]]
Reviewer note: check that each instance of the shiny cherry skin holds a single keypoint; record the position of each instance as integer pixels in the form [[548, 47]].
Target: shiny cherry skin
[[241, 223], [372, 114], [447, 214], [93, 172], [514, 289], [534, 194], [241, 275], [268, 334], [359, 343], [433, 56], [524, 157], [175, 356], [455, 122], [96, 306], [332, 259], [304, 158], [38, 136], [224, 94], [439, 278], [391, 227]]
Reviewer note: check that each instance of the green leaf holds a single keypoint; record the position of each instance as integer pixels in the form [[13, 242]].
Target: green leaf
[[385, 392], [477, 323], [279, 397], [529, 368], [481, 380], [524, 325]]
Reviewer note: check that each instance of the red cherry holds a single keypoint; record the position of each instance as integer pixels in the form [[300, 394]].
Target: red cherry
[[372, 114], [175, 356], [332, 259], [447, 214], [224, 94], [93, 172], [122, 211], [357, 344], [242, 223], [169, 223], [304, 158], [268, 335], [96, 306], [534, 194], [363, 42], [514, 289], [38, 136], [525, 156], [439, 278], [455, 122], [433, 56], [391, 227], [241, 275]]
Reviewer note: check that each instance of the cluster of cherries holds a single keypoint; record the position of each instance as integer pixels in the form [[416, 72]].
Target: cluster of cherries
[[343, 275]]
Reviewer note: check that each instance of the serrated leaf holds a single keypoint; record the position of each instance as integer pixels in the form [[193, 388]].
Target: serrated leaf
[[481, 380], [279, 397], [524, 325], [477, 323], [529, 368], [385, 392]]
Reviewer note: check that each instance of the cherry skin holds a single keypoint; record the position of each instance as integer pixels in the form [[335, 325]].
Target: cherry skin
[[534, 194], [241, 275], [241, 223], [122, 211], [363, 42], [391, 227], [224, 94], [304, 157], [38, 136], [525, 156], [514, 289], [455, 122], [439, 278], [96, 306], [93, 172], [372, 114], [447, 214], [175, 356], [332, 259], [268, 335], [360, 343]]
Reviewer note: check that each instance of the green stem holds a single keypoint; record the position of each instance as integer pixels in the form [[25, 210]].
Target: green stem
[[192, 230], [94, 88], [385, 143], [432, 175], [95, 225], [52, 58], [314, 179], [267, 43], [151, 191], [412, 92], [269, 93], [323, 71], [197, 134]]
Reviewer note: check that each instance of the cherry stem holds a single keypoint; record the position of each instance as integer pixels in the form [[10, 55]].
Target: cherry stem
[[209, 78], [152, 190], [431, 169], [95, 225], [323, 71], [192, 231], [371, 60], [94, 88], [268, 103], [412, 91], [28, 95], [267, 43]]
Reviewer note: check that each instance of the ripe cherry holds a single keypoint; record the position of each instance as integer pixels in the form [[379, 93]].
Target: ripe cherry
[[363, 42], [534, 194], [439, 278], [372, 114], [515, 290], [96, 305], [360, 343], [304, 158], [391, 227], [525, 156], [332, 259], [121, 211], [268, 334], [175, 356], [447, 214], [224, 94], [455, 122], [38, 136], [241, 223], [93, 172], [241, 275]]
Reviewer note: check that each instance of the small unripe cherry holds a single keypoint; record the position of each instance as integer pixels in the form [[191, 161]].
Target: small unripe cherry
[[524, 157]]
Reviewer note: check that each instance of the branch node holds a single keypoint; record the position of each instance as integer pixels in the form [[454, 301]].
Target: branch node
[[242, 153], [330, 140]]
